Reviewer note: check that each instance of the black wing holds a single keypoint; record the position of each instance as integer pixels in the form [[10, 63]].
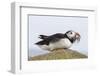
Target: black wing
[[55, 37]]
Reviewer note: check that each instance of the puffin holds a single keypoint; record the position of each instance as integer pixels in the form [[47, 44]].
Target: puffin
[[58, 40]]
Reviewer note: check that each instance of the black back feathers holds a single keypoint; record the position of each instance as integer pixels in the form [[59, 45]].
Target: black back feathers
[[47, 39]]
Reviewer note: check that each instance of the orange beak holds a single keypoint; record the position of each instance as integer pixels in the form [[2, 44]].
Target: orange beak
[[78, 36]]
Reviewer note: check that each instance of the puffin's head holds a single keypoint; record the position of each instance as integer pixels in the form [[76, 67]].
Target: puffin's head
[[73, 36]]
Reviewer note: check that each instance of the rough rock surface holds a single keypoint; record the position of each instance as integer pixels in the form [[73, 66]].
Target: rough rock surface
[[59, 54]]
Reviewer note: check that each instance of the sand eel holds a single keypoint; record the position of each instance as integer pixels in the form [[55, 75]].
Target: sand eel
[[58, 40]]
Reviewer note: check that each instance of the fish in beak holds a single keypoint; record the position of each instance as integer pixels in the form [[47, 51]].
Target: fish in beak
[[77, 36]]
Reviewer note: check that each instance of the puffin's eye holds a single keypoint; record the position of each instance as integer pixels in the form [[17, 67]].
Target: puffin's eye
[[70, 32]]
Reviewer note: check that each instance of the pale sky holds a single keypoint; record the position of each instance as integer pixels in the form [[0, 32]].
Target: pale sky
[[49, 25]]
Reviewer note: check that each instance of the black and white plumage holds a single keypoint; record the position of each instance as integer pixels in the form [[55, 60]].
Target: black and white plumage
[[58, 40]]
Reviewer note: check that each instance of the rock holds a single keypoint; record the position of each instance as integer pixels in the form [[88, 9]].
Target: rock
[[59, 54]]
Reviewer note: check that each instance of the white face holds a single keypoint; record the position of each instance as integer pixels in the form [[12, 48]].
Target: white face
[[71, 34]]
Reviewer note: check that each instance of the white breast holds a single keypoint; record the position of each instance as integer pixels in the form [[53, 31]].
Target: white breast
[[63, 43]]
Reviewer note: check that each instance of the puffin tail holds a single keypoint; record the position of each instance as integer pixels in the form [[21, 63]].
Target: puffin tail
[[40, 43], [43, 42], [43, 36]]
